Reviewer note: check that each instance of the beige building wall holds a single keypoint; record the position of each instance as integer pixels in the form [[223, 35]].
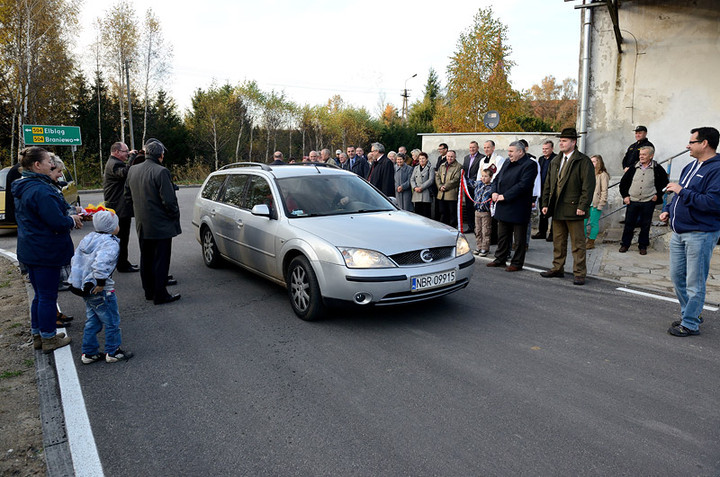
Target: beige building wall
[[666, 78]]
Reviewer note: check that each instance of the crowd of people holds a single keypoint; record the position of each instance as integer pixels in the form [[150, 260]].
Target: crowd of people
[[569, 190]]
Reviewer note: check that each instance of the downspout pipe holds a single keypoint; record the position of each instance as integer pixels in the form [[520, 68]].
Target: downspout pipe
[[584, 77]]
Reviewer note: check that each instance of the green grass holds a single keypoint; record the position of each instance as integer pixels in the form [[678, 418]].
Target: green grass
[[5, 284], [15, 325], [10, 374], [29, 363]]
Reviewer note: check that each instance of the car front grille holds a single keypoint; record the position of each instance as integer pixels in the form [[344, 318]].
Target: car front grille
[[408, 259]]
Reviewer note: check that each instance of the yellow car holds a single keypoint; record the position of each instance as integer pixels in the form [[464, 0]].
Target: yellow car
[[69, 191]]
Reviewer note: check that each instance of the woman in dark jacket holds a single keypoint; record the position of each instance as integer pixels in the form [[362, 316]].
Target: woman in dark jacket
[[44, 243]]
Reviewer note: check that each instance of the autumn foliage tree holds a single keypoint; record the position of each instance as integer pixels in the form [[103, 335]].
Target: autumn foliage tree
[[478, 79], [555, 104]]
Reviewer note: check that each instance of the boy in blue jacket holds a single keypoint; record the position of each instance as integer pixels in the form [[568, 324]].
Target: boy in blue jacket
[[91, 277]]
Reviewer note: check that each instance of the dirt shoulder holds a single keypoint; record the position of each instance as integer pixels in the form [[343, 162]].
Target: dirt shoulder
[[21, 439]]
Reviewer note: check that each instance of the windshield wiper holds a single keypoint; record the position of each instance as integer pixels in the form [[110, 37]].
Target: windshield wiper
[[362, 211]]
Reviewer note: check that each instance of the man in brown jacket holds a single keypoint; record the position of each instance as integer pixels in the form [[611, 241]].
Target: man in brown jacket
[[567, 194], [447, 180]]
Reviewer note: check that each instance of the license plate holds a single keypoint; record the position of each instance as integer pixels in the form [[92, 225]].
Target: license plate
[[2, 216], [432, 280]]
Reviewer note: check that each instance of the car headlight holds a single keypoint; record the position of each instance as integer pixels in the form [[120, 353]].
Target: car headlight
[[364, 258], [461, 245]]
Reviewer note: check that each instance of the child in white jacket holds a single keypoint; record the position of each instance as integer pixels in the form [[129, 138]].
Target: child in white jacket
[[91, 277]]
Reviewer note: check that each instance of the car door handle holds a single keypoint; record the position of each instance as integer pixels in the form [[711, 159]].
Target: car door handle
[[213, 212], [239, 222]]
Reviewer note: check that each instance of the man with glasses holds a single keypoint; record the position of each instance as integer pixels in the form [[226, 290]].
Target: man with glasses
[[694, 217], [116, 170], [382, 171]]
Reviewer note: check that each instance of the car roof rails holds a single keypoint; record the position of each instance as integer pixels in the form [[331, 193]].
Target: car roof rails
[[316, 164], [262, 166]]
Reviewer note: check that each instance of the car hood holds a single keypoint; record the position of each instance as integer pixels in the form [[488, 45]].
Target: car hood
[[388, 232]]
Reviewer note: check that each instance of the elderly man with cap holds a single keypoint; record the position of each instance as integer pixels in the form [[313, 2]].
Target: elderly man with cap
[[632, 156], [157, 220], [567, 193]]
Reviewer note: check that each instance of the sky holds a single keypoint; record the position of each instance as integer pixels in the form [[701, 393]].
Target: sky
[[366, 52]]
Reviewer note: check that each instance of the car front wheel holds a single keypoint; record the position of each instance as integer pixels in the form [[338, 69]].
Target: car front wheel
[[211, 256], [303, 289]]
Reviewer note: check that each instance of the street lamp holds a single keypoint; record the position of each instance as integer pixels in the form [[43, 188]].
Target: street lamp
[[405, 97]]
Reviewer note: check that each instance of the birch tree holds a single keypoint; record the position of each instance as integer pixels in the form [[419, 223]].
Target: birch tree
[[120, 44], [156, 58], [35, 64]]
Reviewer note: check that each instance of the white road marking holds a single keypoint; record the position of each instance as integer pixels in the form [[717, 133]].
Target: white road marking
[[533, 269], [85, 458], [659, 297]]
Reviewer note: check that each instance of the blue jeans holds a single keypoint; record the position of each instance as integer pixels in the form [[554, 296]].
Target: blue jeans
[[690, 255], [43, 310], [101, 309]]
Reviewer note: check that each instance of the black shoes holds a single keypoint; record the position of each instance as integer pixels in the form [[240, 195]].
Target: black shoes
[[167, 299], [623, 249], [171, 282], [579, 281], [681, 331], [552, 274], [495, 264], [118, 355], [537, 236], [129, 268]]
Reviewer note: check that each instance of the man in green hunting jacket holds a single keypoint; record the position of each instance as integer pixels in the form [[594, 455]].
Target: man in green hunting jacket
[[567, 194]]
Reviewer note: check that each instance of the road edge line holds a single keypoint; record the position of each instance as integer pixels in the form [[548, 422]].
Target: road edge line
[[83, 455], [660, 297]]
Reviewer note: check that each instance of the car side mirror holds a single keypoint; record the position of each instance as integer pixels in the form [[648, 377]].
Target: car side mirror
[[393, 200], [261, 209]]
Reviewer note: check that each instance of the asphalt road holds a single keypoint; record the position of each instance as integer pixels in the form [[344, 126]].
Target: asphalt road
[[515, 375]]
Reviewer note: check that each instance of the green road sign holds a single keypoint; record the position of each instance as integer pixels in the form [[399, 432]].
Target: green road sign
[[36, 135]]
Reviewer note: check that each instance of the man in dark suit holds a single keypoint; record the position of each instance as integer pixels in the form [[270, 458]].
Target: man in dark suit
[[544, 160], [359, 165], [344, 162], [157, 220], [567, 194], [471, 165], [382, 171], [513, 191], [116, 170], [277, 159]]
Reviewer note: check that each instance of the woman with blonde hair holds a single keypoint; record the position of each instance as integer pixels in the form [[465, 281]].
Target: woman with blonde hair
[[602, 179]]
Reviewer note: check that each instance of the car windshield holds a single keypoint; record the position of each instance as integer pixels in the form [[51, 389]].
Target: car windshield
[[325, 194]]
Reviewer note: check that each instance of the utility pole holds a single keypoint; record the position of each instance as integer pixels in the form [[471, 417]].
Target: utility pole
[[405, 97], [127, 82]]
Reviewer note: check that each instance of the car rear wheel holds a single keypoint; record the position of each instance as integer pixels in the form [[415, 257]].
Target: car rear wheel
[[211, 256], [303, 289]]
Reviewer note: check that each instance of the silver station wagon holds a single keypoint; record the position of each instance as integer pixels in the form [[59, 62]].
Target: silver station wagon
[[328, 236]]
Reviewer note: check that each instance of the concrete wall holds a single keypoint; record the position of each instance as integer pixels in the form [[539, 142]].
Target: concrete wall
[[666, 77], [460, 142]]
